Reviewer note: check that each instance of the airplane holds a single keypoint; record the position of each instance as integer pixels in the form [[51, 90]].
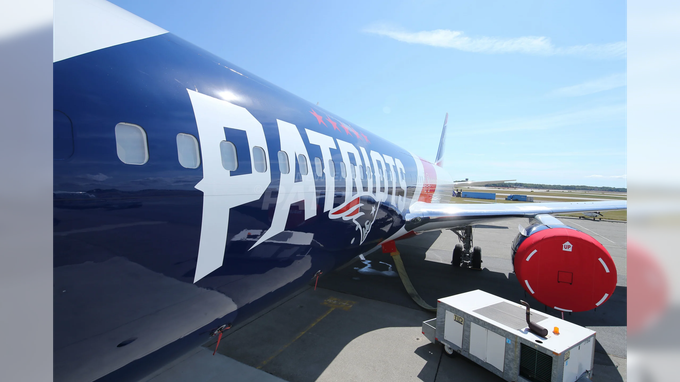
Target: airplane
[[190, 195], [593, 215]]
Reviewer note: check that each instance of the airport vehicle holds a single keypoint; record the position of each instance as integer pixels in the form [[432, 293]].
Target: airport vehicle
[[479, 195], [520, 198], [510, 340], [189, 194]]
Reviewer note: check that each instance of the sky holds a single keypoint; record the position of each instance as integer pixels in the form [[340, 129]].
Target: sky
[[653, 96], [535, 91]]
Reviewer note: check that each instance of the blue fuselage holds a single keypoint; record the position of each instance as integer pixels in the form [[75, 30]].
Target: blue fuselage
[[128, 238]]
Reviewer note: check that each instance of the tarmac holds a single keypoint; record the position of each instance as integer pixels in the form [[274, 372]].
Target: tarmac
[[359, 324]]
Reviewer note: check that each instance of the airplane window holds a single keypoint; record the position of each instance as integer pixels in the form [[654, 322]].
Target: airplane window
[[331, 167], [318, 166], [228, 154], [361, 172], [389, 174], [369, 172], [354, 171], [283, 162], [343, 170], [131, 144], [302, 160], [259, 159], [187, 151]]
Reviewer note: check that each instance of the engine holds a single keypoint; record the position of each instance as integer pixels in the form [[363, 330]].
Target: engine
[[562, 267]]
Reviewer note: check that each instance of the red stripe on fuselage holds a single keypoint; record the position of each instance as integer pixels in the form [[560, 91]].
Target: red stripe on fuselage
[[347, 207], [430, 182]]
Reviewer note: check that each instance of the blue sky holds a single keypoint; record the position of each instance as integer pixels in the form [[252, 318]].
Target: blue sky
[[535, 91], [653, 96]]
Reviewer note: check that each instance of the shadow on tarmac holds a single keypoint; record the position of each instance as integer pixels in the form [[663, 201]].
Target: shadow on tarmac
[[311, 336]]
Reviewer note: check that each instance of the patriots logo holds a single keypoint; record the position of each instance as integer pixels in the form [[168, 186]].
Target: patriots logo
[[362, 210]]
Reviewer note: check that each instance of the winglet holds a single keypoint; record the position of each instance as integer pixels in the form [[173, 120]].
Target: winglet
[[440, 153]]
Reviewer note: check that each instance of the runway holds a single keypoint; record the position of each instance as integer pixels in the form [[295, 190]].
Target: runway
[[359, 324]]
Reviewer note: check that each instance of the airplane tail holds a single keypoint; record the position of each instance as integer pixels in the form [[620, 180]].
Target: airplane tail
[[440, 153]]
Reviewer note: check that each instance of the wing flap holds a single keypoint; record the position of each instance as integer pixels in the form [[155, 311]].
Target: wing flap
[[424, 217]]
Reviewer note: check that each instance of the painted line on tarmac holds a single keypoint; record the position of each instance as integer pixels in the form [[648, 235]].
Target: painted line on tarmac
[[334, 303], [612, 241]]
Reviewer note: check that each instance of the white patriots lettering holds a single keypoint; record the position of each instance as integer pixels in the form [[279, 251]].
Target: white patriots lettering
[[223, 191]]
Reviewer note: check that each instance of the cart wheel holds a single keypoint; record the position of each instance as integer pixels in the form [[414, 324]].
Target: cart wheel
[[457, 255], [448, 350]]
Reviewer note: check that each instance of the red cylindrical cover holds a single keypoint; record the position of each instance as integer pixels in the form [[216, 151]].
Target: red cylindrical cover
[[565, 269]]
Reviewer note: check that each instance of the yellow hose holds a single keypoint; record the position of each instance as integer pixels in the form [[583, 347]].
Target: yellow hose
[[407, 283]]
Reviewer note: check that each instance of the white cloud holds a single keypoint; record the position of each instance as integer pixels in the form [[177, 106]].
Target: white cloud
[[599, 85], [528, 44]]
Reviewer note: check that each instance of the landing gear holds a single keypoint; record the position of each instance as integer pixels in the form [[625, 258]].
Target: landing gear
[[476, 259], [457, 255], [464, 254]]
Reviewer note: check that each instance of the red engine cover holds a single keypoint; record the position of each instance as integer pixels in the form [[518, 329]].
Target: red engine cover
[[565, 269]]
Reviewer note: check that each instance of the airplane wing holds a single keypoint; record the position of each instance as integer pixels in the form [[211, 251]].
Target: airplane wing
[[479, 182], [423, 217]]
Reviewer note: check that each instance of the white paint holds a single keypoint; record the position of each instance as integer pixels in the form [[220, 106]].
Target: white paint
[[528, 286], [453, 331], [401, 174], [380, 176], [389, 168], [478, 341], [369, 170], [567, 247], [83, 26], [580, 360], [563, 310], [606, 268], [602, 300], [495, 350], [291, 191], [346, 149], [532, 253], [221, 191], [325, 143]]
